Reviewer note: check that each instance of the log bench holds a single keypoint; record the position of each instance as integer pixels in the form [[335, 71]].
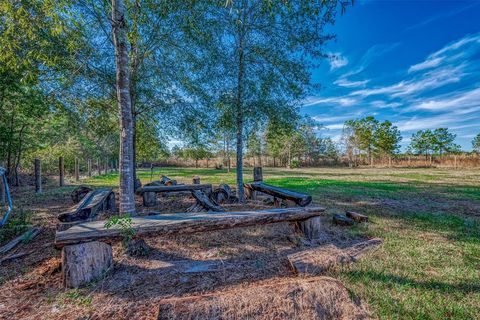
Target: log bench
[[149, 193], [300, 199], [87, 254]]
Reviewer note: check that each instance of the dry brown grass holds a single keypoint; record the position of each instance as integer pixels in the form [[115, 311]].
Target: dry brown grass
[[294, 298]]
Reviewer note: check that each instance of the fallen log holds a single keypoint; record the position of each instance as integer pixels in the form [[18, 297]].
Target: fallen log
[[300, 199], [27, 235], [167, 181], [90, 205], [79, 193], [221, 194], [318, 260], [358, 217], [342, 220], [206, 202], [183, 223]]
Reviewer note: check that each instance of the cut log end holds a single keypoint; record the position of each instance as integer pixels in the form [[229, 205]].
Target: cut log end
[[83, 263]]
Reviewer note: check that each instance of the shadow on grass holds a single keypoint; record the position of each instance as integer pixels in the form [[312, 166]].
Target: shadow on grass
[[371, 276]]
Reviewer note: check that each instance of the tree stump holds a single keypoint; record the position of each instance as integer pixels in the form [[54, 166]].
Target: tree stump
[[149, 199], [196, 180], [311, 228], [82, 263]]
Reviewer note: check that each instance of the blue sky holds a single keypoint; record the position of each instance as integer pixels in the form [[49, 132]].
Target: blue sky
[[415, 63]]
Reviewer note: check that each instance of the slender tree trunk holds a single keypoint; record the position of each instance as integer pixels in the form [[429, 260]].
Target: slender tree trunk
[[61, 171], [240, 195], [38, 176], [229, 160], [119, 29], [77, 170]]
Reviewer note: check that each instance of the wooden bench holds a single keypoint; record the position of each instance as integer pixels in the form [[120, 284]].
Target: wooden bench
[[87, 254], [149, 193]]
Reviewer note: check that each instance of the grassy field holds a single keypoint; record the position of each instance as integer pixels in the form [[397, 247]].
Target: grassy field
[[429, 265]]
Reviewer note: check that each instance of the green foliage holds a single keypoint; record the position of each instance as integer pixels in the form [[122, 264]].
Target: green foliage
[[437, 141], [476, 143], [125, 225]]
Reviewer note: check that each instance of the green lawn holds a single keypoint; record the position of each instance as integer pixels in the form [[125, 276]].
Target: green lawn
[[429, 265]]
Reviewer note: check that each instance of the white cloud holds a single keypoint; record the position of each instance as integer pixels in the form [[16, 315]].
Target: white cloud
[[449, 53], [335, 126], [337, 61], [464, 102], [420, 123], [431, 80], [342, 101], [343, 82]]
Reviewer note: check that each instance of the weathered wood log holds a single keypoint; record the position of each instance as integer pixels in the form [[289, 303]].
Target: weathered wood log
[[149, 199], [89, 206], [29, 234], [221, 194], [187, 187], [300, 199], [183, 223], [358, 217], [166, 180], [206, 202], [196, 180], [196, 207], [320, 259], [82, 263], [311, 228], [342, 220], [79, 193], [257, 174], [61, 171], [38, 176]]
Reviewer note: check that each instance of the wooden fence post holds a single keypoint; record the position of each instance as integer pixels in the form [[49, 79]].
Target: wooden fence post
[[257, 174], [89, 167], [61, 171], [77, 170], [38, 176]]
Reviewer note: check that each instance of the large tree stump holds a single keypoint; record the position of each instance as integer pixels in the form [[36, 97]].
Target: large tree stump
[[149, 199], [82, 263], [311, 228]]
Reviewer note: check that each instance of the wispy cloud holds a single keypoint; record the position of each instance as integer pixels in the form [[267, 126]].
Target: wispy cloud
[[342, 101], [342, 82], [337, 61], [450, 53], [420, 122], [463, 102]]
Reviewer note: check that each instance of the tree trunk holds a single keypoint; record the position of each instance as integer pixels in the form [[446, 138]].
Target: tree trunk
[[61, 173], [229, 163], [241, 66], [77, 169], [119, 30], [89, 167], [38, 176]]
